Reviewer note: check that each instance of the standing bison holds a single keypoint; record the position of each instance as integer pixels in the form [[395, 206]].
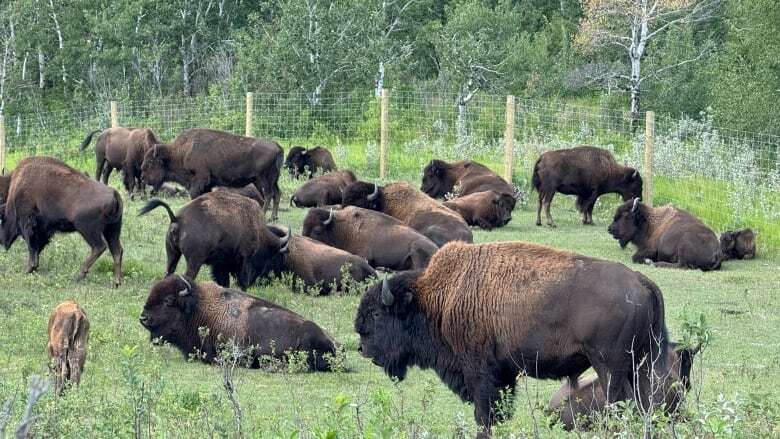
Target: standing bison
[[410, 206], [122, 149], [487, 209], [67, 347], [666, 236], [738, 244], [585, 171], [480, 314], [302, 161], [177, 309], [323, 190], [43, 196], [200, 159]]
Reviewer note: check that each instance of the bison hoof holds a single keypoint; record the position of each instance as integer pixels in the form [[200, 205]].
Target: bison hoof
[[538, 223], [30, 269], [649, 262], [80, 277]]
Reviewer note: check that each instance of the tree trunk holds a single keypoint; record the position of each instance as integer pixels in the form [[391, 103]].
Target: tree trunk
[[41, 68], [380, 79], [635, 88]]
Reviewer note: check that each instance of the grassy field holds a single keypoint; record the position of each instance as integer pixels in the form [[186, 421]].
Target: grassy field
[[132, 386]]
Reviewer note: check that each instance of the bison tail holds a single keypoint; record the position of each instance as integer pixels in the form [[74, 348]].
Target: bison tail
[[535, 180], [116, 215], [279, 160], [87, 140], [659, 337], [154, 204]]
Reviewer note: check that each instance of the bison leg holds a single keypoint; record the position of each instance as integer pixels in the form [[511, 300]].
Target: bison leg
[[107, 173], [221, 275], [193, 267], [32, 258], [100, 163], [547, 201], [173, 256], [111, 234], [485, 389], [539, 209], [98, 246]]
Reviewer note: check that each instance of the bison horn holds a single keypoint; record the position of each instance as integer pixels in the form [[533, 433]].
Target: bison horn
[[303, 152], [285, 241], [187, 290], [387, 296], [636, 204], [635, 174], [329, 220], [374, 194]]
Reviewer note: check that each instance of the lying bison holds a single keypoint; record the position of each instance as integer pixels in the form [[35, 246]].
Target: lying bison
[[302, 161], [480, 314], [410, 206], [43, 196], [122, 149], [585, 171], [461, 178], [323, 190], [200, 159], [177, 309], [738, 244], [381, 239], [222, 229], [67, 347], [666, 236], [486, 209]]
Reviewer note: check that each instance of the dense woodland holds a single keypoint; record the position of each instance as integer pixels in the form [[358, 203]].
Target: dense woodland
[[720, 57]]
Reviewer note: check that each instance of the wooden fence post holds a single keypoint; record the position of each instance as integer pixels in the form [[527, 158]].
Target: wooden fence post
[[383, 121], [647, 173], [509, 138], [2, 144], [249, 110], [114, 115]]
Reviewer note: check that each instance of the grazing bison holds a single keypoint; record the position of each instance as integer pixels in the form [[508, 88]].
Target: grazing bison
[[486, 209], [738, 244], [200, 159], [410, 206], [480, 314], [122, 149], [249, 191], [67, 347], [381, 239], [302, 161], [666, 236], [177, 309], [45, 196], [323, 190], [221, 229], [576, 405], [585, 171]]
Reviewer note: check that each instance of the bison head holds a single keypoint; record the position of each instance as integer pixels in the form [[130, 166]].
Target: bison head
[[9, 230], [739, 244], [296, 161], [168, 310], [629, 223], [630, 186], [5, 184], [319, 224], [436, 180], [365, 195], [269, 257], [155, 166], [677, 379]]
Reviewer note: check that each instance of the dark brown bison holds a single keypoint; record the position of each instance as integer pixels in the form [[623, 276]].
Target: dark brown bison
[[222, 229], [122, 149], [249, 191], [577, 405], [177, 309], [585, 171], [666, 236], [200, 159], [323, 190], [410, 206], [45, 196], [461, 178], [480, 314], [67, 347], [486, 209], [381, 239], [738, 244], [302, 161]]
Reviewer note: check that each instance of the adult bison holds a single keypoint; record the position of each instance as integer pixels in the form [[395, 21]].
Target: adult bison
[[462, 178], [177, 309], [43, 196], [122, 149], [738, 244], [410, 206], [323, 190], [381, 239], [585, 171], [222, 229], [666, 236], [67, 346], [486, 209], [480, 314], [200, 159], [302, 161]]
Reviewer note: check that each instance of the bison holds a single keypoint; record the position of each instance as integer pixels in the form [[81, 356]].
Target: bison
[[302, 161], [323, 190], [585, 171], [410, 206], [67, 347], [486, 209], [381, 239], [249, 191], [222, 229], [461, 178], [122, 149], [43, 196], [480, 314], [200, 159], [666, 236], [738, 244], [199, 319]]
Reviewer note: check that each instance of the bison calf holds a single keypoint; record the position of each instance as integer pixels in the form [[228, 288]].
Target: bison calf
[[487, 209], [302, 161], [67, 347], [738, 244], [323, 190]]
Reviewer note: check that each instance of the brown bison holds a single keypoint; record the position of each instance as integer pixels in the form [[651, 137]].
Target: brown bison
[[177, 309], [323, 190], [585, 171], [249, 191], [486, 209], [122, 149], [302, 161], [67, 347], [410, 206], [381, 239], [738, 244], [576, 405], [666, 236], [222, 229], [480, 314], [44, 196], [200, 159], [461, 178]]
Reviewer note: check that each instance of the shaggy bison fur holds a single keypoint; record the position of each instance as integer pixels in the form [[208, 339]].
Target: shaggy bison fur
[[67, 347], [302, 161], [122, 149], [249, 191], [738, 244], [323, 190], [487, 209]]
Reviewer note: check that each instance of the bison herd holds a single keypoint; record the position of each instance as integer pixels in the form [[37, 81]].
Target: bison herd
[[479, 315]]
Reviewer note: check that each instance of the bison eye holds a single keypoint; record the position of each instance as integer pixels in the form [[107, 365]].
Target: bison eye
[[168, 301], [376, 314]]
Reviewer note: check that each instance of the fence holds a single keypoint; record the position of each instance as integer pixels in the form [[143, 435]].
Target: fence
[[729, 178]]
